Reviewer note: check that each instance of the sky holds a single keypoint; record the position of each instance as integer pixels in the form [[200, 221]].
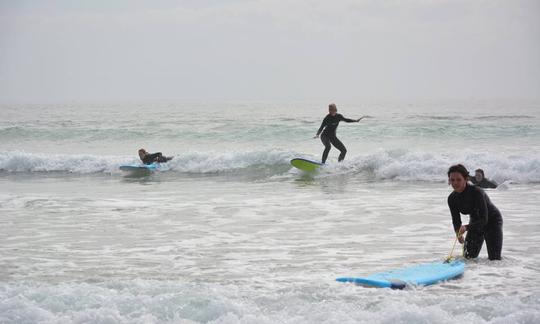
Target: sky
[[284, 50]]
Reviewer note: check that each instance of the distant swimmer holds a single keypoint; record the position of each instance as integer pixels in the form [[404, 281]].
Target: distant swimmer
[[480, 180], [148, 158], [485, 220], [328, 136]]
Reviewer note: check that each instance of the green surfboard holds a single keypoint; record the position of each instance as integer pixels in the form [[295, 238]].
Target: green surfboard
[[305, 165]]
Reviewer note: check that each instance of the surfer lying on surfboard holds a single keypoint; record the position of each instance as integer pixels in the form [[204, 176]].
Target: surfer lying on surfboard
[[328, 136], [480, 180], [149, 158]]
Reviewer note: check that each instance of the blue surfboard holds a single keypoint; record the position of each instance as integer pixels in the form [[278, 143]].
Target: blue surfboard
[[418, 275], [305, 165], [140, 167]]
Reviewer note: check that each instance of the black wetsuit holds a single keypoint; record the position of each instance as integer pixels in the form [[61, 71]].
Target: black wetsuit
[[330, 124], [485, 221], [154, 157], [485, 183]]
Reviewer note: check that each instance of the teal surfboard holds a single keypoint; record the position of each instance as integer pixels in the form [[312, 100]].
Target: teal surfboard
[[418, 275], [305, 165], [140, 167]]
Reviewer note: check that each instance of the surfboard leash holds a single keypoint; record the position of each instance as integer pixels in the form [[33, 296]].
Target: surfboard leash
[[451, 255]]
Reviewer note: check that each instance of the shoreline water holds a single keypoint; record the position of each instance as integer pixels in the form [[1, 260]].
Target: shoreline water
[[230, 236]]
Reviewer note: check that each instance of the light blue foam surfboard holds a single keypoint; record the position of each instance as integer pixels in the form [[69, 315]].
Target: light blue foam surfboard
[[140, 167], [418, 275], [305, 165]]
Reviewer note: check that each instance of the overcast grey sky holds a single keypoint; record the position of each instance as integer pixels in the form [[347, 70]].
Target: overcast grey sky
[[343, 50]]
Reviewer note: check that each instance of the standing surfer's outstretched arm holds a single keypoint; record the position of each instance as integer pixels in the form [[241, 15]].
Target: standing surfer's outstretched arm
[[348, 120]]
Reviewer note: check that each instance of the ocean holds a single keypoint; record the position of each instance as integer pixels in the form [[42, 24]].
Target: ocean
[[229, 232]]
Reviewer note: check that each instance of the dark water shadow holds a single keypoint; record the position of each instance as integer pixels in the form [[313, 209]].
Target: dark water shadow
[[336, 183], [141, 177]]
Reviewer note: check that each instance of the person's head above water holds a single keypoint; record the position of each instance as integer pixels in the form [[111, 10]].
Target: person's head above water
[[457, 177], [142, 153], [479, 174], [332, 109]]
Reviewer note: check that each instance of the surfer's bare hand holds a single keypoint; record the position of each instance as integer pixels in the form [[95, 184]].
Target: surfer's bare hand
[[460, 233]]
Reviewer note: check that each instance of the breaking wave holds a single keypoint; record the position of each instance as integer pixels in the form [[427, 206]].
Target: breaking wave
[[399, 165]]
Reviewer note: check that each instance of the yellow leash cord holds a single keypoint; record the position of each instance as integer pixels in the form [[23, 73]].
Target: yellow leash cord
[[452, 251]]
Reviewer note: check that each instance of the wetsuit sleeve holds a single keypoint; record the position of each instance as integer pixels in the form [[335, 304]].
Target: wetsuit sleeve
[[454, 211], [323, 125], [491, 184], [347, 120], [472, 179], [479, 215], [150, 158]]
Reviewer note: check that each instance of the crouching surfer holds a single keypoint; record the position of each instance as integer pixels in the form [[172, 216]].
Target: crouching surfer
[[149, 158], [485, 219]]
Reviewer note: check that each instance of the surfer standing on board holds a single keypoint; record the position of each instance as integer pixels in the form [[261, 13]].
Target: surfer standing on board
[[485, 219], [328, 136], [148, 158]]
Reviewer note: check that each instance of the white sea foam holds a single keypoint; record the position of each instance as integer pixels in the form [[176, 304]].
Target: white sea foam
[[411, 165], [82, 242], [209, 162], [400, 165], [17, 161], [147, 301]]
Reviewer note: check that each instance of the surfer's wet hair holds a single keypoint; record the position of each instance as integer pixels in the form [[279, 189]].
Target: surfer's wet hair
[[459, 168], [481, 172]]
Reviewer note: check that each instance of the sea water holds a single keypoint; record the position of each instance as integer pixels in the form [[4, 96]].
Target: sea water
[[229, 232]]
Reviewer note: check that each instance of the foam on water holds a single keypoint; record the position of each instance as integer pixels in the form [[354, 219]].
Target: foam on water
[[148, 301], [39, 162], [400, 164], [201, 251], [229, 232]]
